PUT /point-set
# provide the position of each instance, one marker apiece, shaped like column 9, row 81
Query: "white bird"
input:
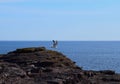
column 55, row 43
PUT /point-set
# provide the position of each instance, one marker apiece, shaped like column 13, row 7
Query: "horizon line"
column 60, row 40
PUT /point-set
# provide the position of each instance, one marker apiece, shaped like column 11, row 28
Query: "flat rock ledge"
column 41, row 66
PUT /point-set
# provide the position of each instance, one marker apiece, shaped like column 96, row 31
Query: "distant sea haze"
column 91, row 55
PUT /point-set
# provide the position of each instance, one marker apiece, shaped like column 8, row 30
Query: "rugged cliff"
column 42, row 66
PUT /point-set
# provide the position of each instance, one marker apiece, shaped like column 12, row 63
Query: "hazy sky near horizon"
column 60, row 20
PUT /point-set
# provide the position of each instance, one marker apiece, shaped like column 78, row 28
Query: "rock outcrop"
column 42, row 66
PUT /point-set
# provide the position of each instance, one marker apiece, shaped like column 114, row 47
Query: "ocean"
column 90, row 55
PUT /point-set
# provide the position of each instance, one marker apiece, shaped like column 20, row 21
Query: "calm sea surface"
column 91, row 55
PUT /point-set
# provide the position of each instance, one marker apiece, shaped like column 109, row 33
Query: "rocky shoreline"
column 41, row 66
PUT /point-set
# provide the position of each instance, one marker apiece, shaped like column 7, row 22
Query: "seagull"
column 55, row 43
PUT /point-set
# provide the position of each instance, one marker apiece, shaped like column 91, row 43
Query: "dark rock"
column 28, row 50
column 109, row 72
column 47, row 70
column 42, row 66
column 53, row 82
column 11, row 70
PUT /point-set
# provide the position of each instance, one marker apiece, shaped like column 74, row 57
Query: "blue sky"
column 42, row 20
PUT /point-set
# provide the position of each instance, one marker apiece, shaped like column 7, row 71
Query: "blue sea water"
column 91, row 55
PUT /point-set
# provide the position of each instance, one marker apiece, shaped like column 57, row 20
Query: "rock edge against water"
column 42, row 66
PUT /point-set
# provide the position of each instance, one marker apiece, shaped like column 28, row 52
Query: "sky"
column 65, row 20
